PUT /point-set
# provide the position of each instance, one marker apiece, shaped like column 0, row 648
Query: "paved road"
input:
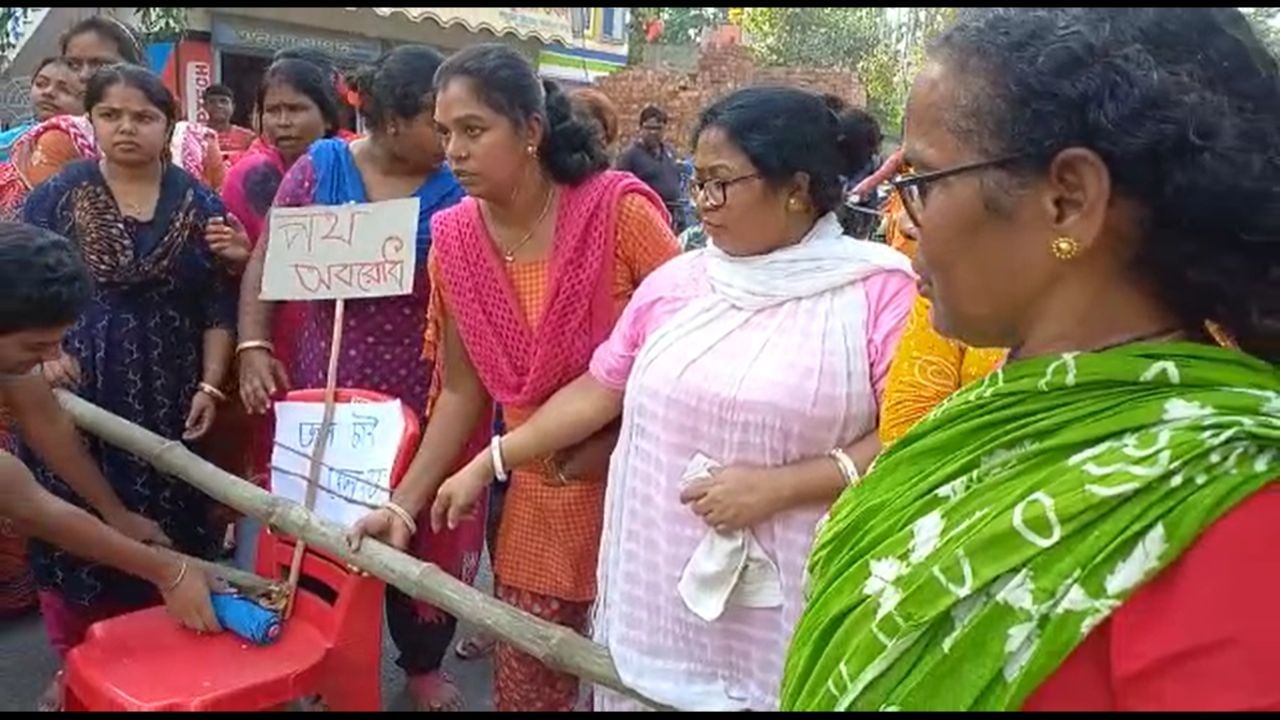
column 27, row 662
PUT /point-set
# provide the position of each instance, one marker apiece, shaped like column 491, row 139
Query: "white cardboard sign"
column 358, row 460
column 327, row 252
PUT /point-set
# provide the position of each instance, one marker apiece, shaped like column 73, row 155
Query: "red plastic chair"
column 331, row 646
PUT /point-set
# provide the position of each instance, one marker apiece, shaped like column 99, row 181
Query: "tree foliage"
column 884, row 46
column 11, row 21
column 1266, row 22
column 681, row 25
column 158, row 23
column 155, row 23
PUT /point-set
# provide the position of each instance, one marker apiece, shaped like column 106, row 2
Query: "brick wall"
column 719, row 71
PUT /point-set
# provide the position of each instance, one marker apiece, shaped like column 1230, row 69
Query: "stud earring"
column 532, row 151
column 1065, row 248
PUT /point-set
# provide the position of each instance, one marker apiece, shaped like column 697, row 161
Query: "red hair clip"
column 346, row 92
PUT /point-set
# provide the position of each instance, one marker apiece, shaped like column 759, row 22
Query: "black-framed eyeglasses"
column 713, row 194
column 913, row 189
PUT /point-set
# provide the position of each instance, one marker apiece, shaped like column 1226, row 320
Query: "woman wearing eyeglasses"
column 746, row 376
column 928, row 367
column 1093, row 526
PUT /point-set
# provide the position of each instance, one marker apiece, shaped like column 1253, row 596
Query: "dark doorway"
column 243, row 74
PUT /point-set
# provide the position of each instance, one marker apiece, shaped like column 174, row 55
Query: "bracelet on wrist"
column 212, row 392
column 848, row 469
column 256, row 345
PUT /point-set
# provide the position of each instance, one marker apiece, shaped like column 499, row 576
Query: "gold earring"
column 533, row 151
column 1221, row 335
column 793, row 205
column 1065, row 248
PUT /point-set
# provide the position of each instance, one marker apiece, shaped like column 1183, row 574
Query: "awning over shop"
column 550, row 25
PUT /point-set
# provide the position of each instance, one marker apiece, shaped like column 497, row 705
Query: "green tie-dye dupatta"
column 987, row 543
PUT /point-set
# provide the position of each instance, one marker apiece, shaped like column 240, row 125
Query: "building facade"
column 234, row 45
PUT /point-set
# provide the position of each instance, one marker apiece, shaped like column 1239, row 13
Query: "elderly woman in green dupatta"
column 1094, row 525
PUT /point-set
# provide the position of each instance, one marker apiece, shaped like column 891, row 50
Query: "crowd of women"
column 1029, row 467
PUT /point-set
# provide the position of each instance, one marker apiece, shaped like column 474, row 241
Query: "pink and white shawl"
column 764, row 363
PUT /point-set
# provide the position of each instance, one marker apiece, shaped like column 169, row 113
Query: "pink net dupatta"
column 522, row 366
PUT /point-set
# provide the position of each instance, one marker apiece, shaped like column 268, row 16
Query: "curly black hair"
column 572, row 149
column 44, row 283
column 1183, row 105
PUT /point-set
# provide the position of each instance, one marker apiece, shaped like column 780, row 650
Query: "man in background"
column 654, row 162
column 233, row 140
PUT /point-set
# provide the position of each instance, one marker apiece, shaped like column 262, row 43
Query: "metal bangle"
column 182, row 574
column 404, row 516
column 848, row 469
column 256, row 345
column 212, row 392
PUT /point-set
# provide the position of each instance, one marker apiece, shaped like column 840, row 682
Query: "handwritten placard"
column 327, row 252
column 358, row 460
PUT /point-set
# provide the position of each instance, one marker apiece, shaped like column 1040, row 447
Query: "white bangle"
column 848, row 469
column 404, row 516
column 495, row 454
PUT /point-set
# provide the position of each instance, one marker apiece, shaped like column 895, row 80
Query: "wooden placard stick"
column 322, row 441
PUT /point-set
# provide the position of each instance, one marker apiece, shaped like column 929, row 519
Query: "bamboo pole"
column 246, row 582
column 553, row 645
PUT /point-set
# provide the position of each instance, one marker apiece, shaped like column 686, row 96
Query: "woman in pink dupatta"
column 527, row 275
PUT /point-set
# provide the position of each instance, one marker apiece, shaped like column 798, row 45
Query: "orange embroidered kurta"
column 927, row 368
column 549, row 534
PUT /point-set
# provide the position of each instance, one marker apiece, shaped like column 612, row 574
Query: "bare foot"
column 435, row 692
column 51, row 699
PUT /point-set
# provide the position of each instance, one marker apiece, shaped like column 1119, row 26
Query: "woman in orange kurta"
column 927, row 367
column 528, row 276
column 539, row 504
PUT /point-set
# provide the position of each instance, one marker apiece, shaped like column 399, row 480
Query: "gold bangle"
column 256, row 345
column 182, row 574
column 212, row 392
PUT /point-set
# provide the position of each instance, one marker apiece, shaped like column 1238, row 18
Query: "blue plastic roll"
column 246, row 618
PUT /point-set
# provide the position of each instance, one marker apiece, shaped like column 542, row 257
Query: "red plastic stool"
column 330, row 647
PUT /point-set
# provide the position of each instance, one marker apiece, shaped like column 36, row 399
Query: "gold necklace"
column 130, row 208
column 509, row 254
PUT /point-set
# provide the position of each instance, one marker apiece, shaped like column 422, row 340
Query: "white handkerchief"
column 726, row 568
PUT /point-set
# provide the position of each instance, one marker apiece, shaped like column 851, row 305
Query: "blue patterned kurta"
column 140, row 346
